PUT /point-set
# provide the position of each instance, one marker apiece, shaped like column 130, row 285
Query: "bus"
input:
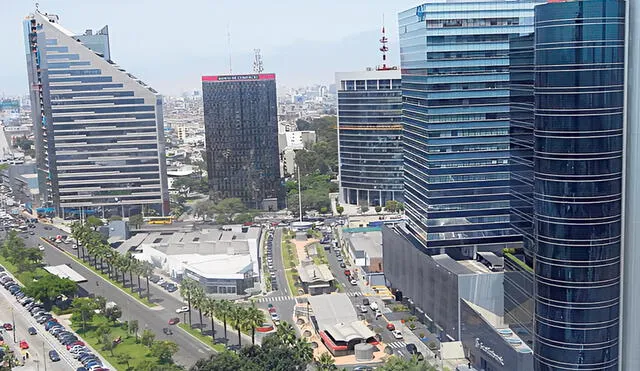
column 160, row 220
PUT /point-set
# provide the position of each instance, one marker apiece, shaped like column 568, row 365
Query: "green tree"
column 115, row 218
column 49, row 287
column 340, row 209
column 243, row 218
column 254, row 318
column 378, row 209
column 286, row 333
column 147, row 338
column 238, row 317
column 123, row 359
column 225, row 209
column 136, row 220
column 223, row 310
column 393, row 206
column 94, row 222
column 326, row 362
column 394, row 363
column 82, row 311
column 113, row 313
column 187, row 289
column 204, row 208
column 146, row 270
column 209, row 311
column 199, row 300
column 164, row 350
column 133, row 328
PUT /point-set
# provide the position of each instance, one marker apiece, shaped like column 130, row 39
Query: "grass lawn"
column 144, row 301
column 321, row 255
column 138, row 352
column 24, row 276
column 204, row 338
column 290, row 260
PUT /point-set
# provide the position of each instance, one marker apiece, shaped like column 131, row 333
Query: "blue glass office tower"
column 369, row 136
column 455, row 76
column 578, row 165
column 98, row 130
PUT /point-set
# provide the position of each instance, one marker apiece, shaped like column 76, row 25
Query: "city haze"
column 171, row 46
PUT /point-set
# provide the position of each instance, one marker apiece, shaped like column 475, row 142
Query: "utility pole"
column 299, row 192
column 44, row 356
column 13, row 316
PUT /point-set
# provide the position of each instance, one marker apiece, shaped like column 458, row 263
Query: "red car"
column 8, row 326
column 390, row 326
column 174, row 321
column 347, row 272
column 272, row 310
column 24, row 345
column 74, row 344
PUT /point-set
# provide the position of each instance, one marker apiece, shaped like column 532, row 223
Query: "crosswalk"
column 397, row 345
column 271, row 299
column 354, row 293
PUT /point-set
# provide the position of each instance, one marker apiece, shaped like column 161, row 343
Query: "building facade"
column 241, row 134
column 369, row 136
column 98, row 129
column 455, row 76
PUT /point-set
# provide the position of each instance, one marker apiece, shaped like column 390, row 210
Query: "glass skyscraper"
column 455, row 76
column 369, row 136
column 98, row 130
column 241, row 133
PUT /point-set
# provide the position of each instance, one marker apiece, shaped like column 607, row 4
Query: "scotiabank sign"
column 261, row 76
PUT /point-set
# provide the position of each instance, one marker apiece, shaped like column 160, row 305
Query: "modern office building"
column 574, row 237
column 241, row 134
column 369, row 136
column 455, row 75
column 98, row 129
column 98, row 42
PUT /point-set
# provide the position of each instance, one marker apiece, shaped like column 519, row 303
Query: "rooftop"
column 315, row 273
column 369, row 241
column 64, row 271
column 336, row 315
column 218, row 266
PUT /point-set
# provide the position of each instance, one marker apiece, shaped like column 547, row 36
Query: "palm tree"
column 124, row 263
column 199, row 299
column 187, row 287
column 286, row 333
column 136, row 267
column 147, row 271
column 238, row 318
column 303, row 350
column 223, row 311
column 112, row 268
column 255, row 318
column 132, row 266
column 209, row 310
column 326, row 362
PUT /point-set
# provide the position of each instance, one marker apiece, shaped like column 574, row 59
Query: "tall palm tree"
column 209, row 311
column 199, row 299
column 136, row 267
column 238, row 316
column 255, row 318
column 223, row 311
column 132, row 266
column 303, row 350
column 112, row 268
column 147, row 271
column 286, row 333
column 123, row 263
column 326, row 362
column 187, row 287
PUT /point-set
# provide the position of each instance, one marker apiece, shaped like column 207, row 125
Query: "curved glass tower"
column 579, row 98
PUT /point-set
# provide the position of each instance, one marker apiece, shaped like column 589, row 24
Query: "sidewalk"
column 410, row 337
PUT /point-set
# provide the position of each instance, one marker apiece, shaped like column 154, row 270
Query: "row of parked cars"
column 169, row 286
column 77, row 348
column 272, row 271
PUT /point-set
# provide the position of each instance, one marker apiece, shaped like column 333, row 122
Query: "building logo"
column 249, row 77
column 490, row 352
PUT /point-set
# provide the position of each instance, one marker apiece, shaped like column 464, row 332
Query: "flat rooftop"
column 64, row 271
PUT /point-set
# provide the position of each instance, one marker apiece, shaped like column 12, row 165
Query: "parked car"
column 53, row 356
column 182, row 309
column 172, row 288
column 7, row 326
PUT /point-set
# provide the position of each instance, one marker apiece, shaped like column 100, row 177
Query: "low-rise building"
column 365, row 247
column 316, row 279
column 223, row 261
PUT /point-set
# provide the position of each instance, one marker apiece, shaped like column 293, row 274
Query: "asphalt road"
column 154, row 319
column 39, row 344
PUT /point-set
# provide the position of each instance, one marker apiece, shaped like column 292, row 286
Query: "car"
column 172, row 288
column 391, row 326
column 161, row 281
column 7, row 326
column 24, row 344
column 77, row 342
column 182, row 309
column 32, row 233
column 378, row 313
column 53, row 356
column 353, row 282
column 343, row 265
column 174, row 321
column 347, row 272
column 411, row 348
column 272, row 309
column 74, row 246
column 340, row 258
column 397, row 334
column 363, row 309
column 154, row 278
column 81, row 369
column 32, row 331
column 275, row 317
column 363, row 368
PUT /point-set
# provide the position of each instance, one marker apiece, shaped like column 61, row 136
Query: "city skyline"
column 286, row 33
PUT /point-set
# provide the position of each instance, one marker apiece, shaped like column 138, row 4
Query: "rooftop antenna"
column 257, row 61
column 229, row 45
column 384, row 49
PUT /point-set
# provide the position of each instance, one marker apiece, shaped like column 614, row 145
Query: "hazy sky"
column 169, row 43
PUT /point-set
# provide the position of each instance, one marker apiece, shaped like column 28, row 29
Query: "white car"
column 182, row 309
column 40, row 247
column 74, row 246
column 275, row 317
column 161, row 281
column 397, row 334
column 354, row 282
column 363, row 309
column 378, row 314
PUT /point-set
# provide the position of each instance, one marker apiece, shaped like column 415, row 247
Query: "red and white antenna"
column 384, row 49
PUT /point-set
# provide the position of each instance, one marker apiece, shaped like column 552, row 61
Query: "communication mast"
column 257, row 61
column 384, row 49
column 229, row 45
